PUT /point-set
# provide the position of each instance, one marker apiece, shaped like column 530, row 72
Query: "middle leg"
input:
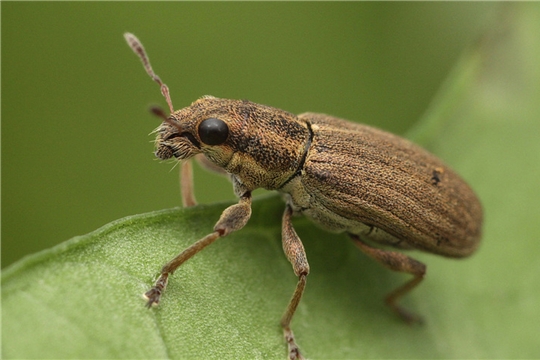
column 294, row 250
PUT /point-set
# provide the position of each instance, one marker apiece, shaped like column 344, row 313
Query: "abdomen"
column 357, row 179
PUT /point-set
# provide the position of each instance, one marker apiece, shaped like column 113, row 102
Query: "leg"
column 186, row 184
column 294, row 250
column 186, row 178
column 233, row 218
column 397, row 262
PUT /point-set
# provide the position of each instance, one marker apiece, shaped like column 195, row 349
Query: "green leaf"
column 82, row 299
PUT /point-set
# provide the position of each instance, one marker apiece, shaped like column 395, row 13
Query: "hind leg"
column 396, row 261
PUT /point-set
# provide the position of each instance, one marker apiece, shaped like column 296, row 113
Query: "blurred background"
column 76, row 153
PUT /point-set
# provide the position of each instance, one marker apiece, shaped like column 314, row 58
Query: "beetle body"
column 346, row 177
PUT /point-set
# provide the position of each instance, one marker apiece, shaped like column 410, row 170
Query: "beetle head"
column 203, row 127
column 261, row 146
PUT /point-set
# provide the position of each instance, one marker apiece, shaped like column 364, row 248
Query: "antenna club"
column 137, row 47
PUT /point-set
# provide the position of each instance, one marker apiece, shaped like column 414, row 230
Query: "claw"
column 153, row 295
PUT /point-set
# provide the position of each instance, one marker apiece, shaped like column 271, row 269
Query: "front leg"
column 187, row 190
column 294, row 250
column 186, row 184
column 233, row 218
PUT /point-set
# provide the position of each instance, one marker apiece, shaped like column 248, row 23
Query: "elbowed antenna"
column 138, row 49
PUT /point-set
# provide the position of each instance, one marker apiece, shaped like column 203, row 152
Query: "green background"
column 75, row 147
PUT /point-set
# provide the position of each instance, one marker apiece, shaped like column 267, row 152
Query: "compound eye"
column 213, row 131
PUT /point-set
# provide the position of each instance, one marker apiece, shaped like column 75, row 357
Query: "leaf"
column 82, row 299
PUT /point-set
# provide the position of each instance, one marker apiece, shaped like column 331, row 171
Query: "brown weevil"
column 346, row 177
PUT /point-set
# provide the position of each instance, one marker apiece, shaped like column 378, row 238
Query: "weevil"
column 346, row 177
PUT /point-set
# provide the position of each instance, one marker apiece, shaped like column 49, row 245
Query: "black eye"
column 213, row 131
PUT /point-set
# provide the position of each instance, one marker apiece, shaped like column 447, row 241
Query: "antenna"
column 138, row 49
